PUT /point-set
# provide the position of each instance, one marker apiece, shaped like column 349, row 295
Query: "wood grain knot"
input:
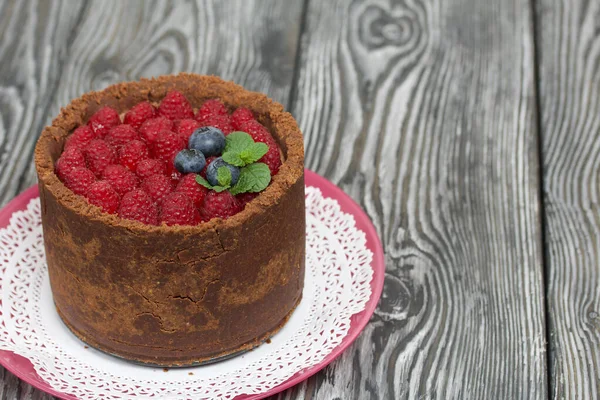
column 400, row 298
column 379, row 28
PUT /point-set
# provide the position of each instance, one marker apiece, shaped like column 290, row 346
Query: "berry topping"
column 99, row 155
column 121, row 134
column 103, row 195
column 157, row 186
column 148, row 167
column 188, row 186
column 138, row 206
column 69, row 159
column 219, row 205
column 178, row 209
column 245, row 198
column 219, row 121
column 209, row 140
column 132, row 153
column 175, row 106
column 185, row 127
column 260, row 134
column 212, row 107
column 139, row 114
column 79, row 180
column 80, row 138
column 218, row 168
column 103, row 120
column 174, row 175
column 272, row 159
column 166, row 145
column 240, row 116
column 120, row 178
column 152, row 127
column 189, row 161
column 208, row 161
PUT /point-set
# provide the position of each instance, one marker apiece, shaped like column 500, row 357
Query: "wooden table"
column 468, row 130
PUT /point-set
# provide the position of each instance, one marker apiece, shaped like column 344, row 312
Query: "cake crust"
column 175, row 295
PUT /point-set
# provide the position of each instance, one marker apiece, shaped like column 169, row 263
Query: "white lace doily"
column 336, row 287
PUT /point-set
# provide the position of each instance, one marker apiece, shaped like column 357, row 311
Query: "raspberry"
column 272, row 158
column 195, row 192
column 208, row 161
column 185, row 128
column 132, row 153
column 223, row 122
column 120, row 178
column 260, row 134
column 139, row 113
column 178, row 209
column 69, row 159
column 79, row 179
column 245, row 198
column 138, row 206
column 103, row 195
column 175, row 177
column 211, row 107
column 148, row 167
column 220, row 205
column 121, row 134
column 104, row 119
column 175, row 106
column 157, row 186
column 240, row 116
column 166, row 145
column 151, row 127
column 255, row 129
column 80, row 138
column 98, row 155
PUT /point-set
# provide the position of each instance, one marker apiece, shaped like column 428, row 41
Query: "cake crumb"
column 268, row 341
column 86, row 347
column 165, row 369
column 190, row 373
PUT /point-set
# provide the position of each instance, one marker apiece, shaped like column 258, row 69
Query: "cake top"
column 166, row 162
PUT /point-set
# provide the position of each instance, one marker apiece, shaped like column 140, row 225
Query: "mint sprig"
column 217, row 188
column 253, row 178
column 241, row 150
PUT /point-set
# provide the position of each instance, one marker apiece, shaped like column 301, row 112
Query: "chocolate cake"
column 175, row 295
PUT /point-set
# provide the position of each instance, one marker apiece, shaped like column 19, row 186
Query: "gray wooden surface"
column 467, row 130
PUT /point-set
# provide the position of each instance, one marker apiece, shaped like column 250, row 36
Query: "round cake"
column 152, row 275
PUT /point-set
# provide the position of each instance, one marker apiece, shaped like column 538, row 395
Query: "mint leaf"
column 233, row 158
column 254, row 153
column 201, row 181
column 224, row 176
column 253, row 178
column 219, row 189
column 236, row 142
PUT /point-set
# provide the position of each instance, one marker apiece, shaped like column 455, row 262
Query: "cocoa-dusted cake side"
column 175, row 295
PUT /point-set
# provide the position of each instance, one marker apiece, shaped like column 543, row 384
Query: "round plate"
column 24, row 370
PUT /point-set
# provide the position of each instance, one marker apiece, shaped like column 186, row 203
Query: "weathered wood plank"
column 424, row 111
column 569, row 83
column 54, row 51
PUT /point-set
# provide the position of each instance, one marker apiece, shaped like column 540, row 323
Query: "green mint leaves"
column 241, row 150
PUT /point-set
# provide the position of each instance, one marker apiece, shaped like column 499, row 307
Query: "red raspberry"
column 175, row 106
column 240, row 116
column 178, row 209
column 175, row 176
column 69, row 159
column 185, row 128
column 166, row 145
column 211, row 107
column 208, row 161
column 104, row 119
column 245, row 198
column 255, row 129
column 139, row 113
column 103, row 195
column 148, row 167
column 120, row 178
column 150, row 128
column 272, row 158
column 220, row 205
column 138, row 206
column 80, row 138
column 121, row 134
column 157, row 186
column 79, row 180
column 194, row 191
column 260, row 134
column 132, row 153
column 99, row 155
column 223, row 122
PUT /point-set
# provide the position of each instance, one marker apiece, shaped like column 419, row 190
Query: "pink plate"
column 23, row 368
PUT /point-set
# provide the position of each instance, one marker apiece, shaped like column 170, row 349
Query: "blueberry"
column 209, row 140
column 190, row 161
column 213, row 167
